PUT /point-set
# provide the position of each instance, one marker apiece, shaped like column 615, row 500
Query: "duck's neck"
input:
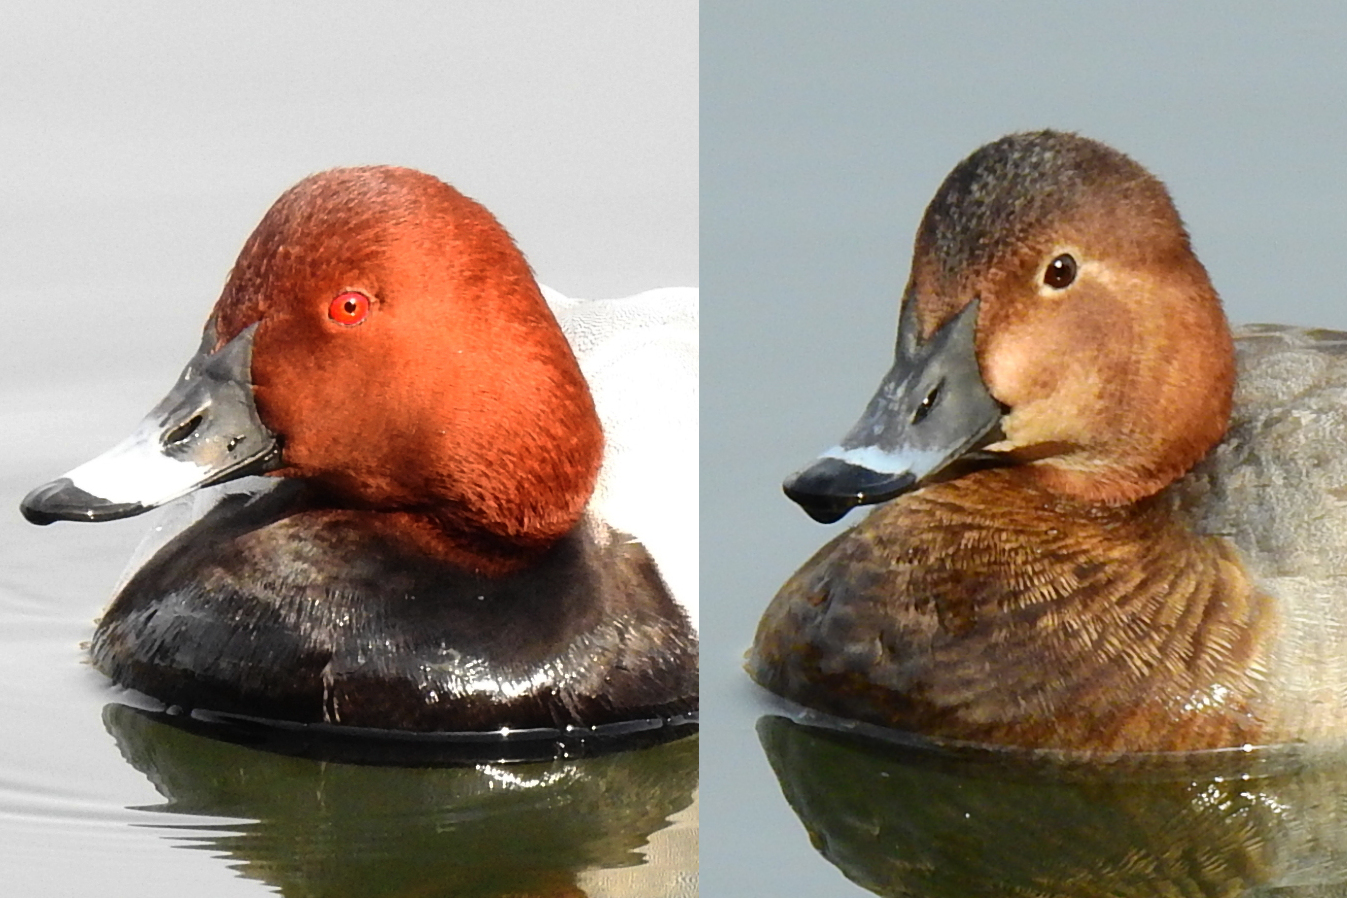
column 1119, row 621
column 471, row 542
column 475, row 550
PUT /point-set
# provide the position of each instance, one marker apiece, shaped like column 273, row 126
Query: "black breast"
column 274, row 608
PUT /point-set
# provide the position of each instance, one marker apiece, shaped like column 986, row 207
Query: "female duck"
column 431, row 560
column 1079, row 546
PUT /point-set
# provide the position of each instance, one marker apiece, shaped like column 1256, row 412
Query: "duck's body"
column 435, row 558
column 1065, row 577
column 275, row 606
column 639, row 355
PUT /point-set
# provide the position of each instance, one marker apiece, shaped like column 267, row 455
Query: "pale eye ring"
column 1061, row 272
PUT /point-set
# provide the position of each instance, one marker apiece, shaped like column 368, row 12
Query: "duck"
column 1101, row 521
column 444, row 538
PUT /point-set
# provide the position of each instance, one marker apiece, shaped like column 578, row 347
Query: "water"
column 95, row 791
column 904, row 821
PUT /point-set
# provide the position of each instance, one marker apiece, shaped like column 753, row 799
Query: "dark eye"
column 1061, row 272
column 349, row 309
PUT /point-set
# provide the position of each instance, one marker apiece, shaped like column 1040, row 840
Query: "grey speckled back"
column 1276, row 487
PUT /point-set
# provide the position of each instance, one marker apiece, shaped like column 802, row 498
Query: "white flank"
column 640, row 357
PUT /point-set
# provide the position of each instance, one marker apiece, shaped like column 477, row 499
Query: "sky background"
column 143, row 142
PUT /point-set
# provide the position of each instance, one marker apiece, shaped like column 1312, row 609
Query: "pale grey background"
column 141, row 142
column 826, row 129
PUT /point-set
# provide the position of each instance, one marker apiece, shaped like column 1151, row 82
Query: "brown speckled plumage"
column 990, row 611
column 1010, row 188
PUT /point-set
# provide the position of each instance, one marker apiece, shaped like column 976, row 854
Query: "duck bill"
column 205, row 431
column 931, row 409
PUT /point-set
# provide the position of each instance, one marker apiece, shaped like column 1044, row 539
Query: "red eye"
column 349, row 309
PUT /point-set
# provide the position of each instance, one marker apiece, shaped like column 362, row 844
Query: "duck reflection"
column 907, row 821
column 575, row 827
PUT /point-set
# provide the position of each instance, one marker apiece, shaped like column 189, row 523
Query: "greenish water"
column 902, row 820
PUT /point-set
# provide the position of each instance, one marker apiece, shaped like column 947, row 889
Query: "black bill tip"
column 61, row 500
column 831, row 487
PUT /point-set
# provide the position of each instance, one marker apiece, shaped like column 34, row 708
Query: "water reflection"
column 907, row 821
column 563, row 828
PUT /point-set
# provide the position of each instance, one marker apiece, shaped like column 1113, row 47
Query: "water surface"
column 96, row 791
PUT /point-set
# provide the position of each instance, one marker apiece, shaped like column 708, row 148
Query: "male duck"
column 1080, row 545
column 432, row 559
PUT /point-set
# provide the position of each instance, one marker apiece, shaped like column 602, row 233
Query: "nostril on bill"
column 182, row 431
column 927, row 404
